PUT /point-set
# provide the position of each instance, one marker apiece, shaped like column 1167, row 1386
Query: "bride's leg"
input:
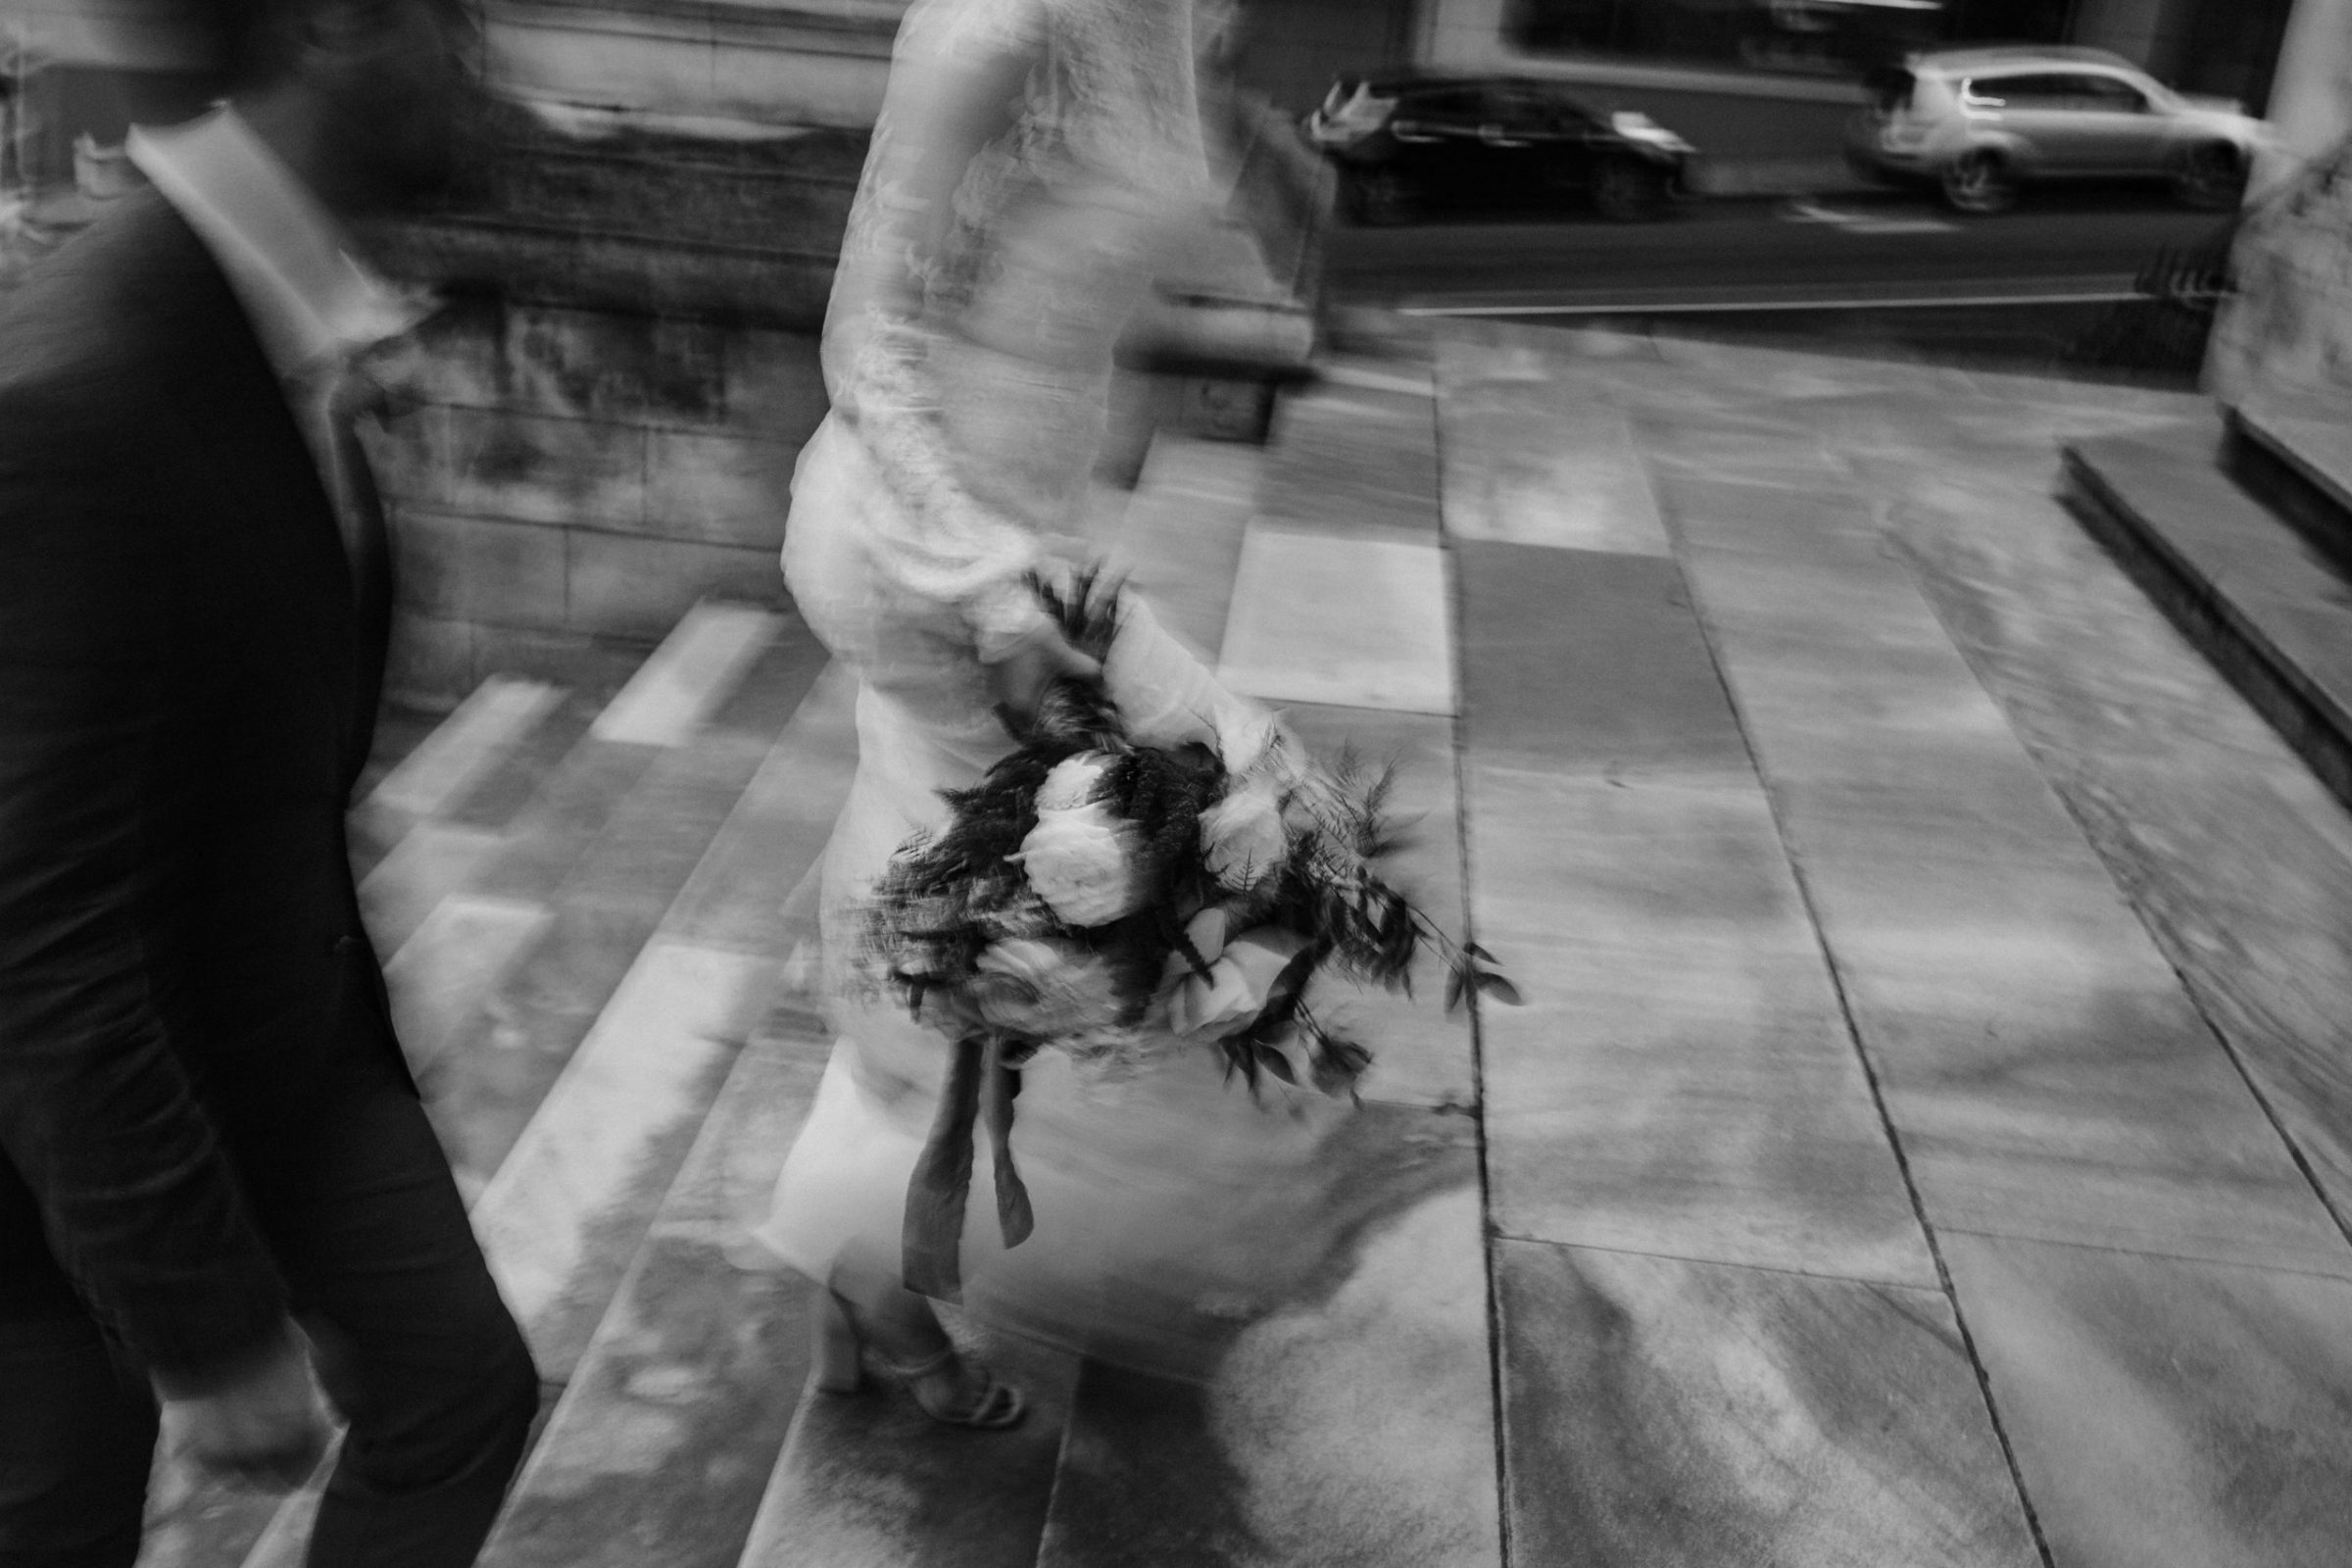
column 909, row 1343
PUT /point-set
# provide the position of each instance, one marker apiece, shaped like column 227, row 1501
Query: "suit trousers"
column 412, row 1340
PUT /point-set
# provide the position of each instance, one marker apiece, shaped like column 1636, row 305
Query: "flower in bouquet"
column 1079, row 896
column 1077, row 780
column 1243, row 837
column 1240, row 978
column 1086, row 862
column 1035, row 989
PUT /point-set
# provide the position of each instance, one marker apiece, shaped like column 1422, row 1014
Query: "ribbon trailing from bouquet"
column 980, row 1087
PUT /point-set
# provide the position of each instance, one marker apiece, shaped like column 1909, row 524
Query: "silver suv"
column 1980, row 121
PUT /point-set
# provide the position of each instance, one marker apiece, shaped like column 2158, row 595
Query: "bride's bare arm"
column 955, row 88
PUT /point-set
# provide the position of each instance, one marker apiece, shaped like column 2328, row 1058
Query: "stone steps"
column 2242, row 542
column 599, row 915
column 2296, row 456
column 568, row 1033
column 681, row 1436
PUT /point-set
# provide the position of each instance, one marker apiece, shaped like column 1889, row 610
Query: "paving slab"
column 1589, row 661
column 1539, row 462
column 1665, row 1412
column 1335, row 618
column 1349, row 458
column 2235, row 857
column 1352, row 1424
column 2047, row 1073
column 2166, row 1412
column 1178, row 538
column 1681, row 1079
column 1747, row 448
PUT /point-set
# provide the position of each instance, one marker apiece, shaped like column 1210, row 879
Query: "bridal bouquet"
column 1110, row 899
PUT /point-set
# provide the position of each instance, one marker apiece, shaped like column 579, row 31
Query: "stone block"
column 693, row 193
column 773, row 385
column 539, row 468
column 407, row 454
column 453, row 357
column 431, row 664
column 624, row 585
column 607, row 364
column 1224, row 408
column 717, row 487
column 478, row 569
column 614, row 272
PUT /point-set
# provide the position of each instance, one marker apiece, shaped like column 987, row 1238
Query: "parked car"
column 1980, row 123
column 1406, row 142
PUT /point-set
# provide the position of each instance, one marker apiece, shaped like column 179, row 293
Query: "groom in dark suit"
column 219, row 1191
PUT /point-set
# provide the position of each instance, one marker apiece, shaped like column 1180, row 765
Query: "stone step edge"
column 2230, row 631
column 612, row 1332
column 2271, row 464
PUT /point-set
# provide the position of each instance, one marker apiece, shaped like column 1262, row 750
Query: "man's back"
column 177, row 722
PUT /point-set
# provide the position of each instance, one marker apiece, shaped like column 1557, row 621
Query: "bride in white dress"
column 1030, row 160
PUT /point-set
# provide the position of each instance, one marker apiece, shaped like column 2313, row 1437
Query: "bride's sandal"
column 979, row 1400
column 837, row 1365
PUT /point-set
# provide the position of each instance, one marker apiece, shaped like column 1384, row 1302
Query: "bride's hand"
column 1020, row 679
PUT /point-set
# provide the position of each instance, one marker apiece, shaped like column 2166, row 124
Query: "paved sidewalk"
column 1928, row 1140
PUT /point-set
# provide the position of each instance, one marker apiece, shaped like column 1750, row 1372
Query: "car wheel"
column 1377, row 195
column 1626, row 189
column 1979, row 182
column 2210, row 177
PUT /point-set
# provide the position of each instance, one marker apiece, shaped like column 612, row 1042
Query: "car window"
column 1889, row 88
column 1531, row 111
column 2040, row 91
column 2112, row 93
column 1454, row 106
column 2054, row 89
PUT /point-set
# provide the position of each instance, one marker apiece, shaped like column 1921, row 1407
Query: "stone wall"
column 600, row 426
column 2288, row 329
column 566, row 477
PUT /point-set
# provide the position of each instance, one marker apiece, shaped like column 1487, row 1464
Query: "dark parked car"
column 1402, row 143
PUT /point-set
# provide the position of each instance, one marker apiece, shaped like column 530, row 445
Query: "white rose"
column 1237, row 987
column 1083, row 863
column 1243, row 836
column 1074, row 781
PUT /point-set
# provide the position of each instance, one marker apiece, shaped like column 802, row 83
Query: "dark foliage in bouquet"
column 1088, row 880
column 950, row 898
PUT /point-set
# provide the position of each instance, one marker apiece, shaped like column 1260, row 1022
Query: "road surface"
column 1738, row 254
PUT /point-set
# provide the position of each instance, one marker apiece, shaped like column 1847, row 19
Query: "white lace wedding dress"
column 990, row 262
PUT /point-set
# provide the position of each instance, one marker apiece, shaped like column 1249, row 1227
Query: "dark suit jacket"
column 185, row 700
